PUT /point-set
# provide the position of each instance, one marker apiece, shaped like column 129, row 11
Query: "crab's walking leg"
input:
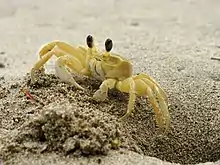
column 61, row 69
column 153, row 101
column 132, row 98
column 153, row 83
column 58, row 49
column 39, row 64
column 101, row 93
column 164, row 107
column 160, row 106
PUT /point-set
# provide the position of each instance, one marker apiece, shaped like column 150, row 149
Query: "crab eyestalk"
column 108, row 48
column 108, row 45
column 90, row 41
column 92, row 50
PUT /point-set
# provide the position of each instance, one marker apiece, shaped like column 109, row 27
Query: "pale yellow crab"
column 113, row 70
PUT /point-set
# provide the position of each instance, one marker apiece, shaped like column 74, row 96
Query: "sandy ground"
column 172, row 41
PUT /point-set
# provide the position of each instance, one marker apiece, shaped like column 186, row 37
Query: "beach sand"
column 172, row 41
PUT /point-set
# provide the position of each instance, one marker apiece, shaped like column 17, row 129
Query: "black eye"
column 108, row 45
column 89, row 41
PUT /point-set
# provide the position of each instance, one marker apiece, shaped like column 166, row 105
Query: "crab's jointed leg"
column 67, row 55
column 132, row 98
column 141, row 85
column 158, row 99
column 153, row 84
column 40, row 64
column 102, row 92
column 62, row 61
column 63, row 48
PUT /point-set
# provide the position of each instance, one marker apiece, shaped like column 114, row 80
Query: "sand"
column 172, row 41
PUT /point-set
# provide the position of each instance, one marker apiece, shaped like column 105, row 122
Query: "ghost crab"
column 113, row 70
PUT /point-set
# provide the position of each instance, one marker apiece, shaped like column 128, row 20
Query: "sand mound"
column 68, row 129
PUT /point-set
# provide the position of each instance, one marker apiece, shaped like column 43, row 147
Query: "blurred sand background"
column 170, row 40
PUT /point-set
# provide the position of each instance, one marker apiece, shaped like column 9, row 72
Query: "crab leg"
column 72, row 61
column 44, row 57
column 39, row 64
column 132, row 98
column 63, row 47
column 137, row 85
column 58, row 49
column 152, row 83
column 101, row 93
column 161, row 120
column 160, row 106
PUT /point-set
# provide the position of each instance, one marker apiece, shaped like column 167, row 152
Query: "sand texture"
column 172, row 41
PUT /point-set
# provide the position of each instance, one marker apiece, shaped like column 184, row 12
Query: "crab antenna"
column 89, row 41
column 108, row 45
